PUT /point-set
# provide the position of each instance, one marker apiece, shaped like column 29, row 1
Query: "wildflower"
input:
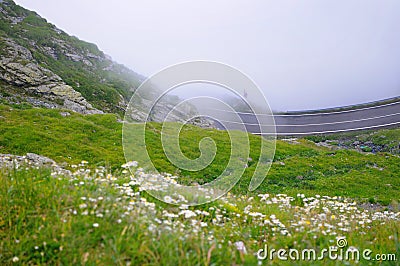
column 95, row 225
column 167, row 199
column 15, row 259
column 184, row 207
column 241, row 247
column 130, row 164
column 263, row 197
column 247, row 209
column 255, row 214
column 188, row 213
column 169, row 215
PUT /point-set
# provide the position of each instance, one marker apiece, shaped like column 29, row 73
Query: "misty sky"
column 303, row 54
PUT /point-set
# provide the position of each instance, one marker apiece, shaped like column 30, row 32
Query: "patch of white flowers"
column 273, row 215
column 319, row 214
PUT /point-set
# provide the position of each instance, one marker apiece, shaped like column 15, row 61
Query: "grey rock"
column 17, row 67
column 40, row 159
column 10, row 161
column 65, row 114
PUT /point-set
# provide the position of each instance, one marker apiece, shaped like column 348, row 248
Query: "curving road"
column 380, row 115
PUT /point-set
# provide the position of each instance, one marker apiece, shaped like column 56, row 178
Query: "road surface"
column 354, row 118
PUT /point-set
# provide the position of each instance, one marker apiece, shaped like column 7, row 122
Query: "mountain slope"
column 299, row 166
column 47, row 67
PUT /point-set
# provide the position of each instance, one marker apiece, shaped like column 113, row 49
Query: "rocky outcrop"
column 56, row 69
column 31, row 160
column 169, row 109
column 13, row 19
column 18, row 68
column 43, row 66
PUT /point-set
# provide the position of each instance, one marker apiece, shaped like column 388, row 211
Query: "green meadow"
column 311, row 197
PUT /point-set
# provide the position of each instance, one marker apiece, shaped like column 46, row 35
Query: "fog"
column 302, row 54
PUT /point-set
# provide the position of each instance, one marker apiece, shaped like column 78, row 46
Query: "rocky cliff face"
column 43, row 66
column 39, row 86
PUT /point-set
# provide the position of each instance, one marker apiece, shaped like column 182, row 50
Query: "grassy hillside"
column 65, row 139
column 104, row 220
column 100, row 216
column 80, row 64
column 299, row 167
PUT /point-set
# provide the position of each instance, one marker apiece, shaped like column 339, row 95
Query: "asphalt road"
column 310, row 123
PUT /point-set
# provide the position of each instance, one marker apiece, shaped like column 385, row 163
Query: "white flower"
column 169, row 215
column 95, row 225
column 15, row 259
column 130, row 164
column 247, row 209
column 255, row 214
column 188, row 213
column 241, row 247
column 263, row 197
column 167, row 199
column 184, row 207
